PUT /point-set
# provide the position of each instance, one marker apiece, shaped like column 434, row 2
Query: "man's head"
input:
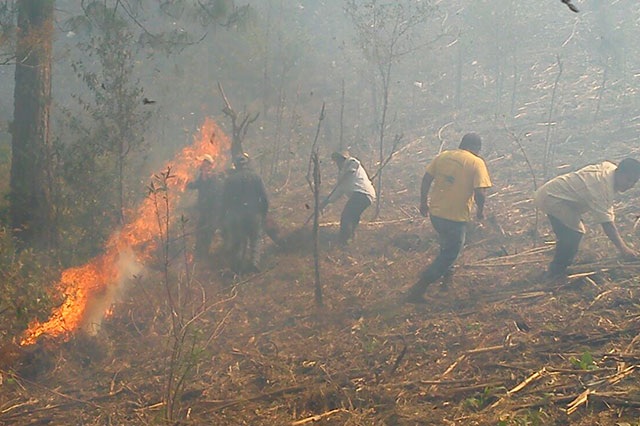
column 207, row 163
column 340, row 157
column 626, row 175
column 241, row 161
column 471, row 142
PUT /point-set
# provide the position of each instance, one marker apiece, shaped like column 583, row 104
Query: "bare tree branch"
column 239, row 132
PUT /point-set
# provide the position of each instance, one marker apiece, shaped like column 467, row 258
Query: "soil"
column 499, row 344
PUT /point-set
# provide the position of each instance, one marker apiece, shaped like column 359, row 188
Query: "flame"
column 109, row 312
column 82, row 284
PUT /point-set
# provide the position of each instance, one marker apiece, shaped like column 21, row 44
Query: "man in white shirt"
column 355, row 183
column 591, row 189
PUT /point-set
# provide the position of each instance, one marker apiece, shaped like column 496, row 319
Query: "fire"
column 82, row 284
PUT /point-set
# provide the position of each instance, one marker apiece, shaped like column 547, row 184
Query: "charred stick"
column 399, row 359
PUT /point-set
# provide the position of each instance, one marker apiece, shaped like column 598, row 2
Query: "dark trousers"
column 350, row 218
column 242, row 232
column 567, row 243
column 204, row 231
column 451, row 237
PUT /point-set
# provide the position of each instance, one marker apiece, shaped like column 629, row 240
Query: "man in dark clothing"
column 209, row 187
column 244, row 211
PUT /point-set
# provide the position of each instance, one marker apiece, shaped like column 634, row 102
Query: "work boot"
column 447, row 280
column 555, row 273
column 415, row 294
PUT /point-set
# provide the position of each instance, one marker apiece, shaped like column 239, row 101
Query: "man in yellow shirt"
column 451, row 183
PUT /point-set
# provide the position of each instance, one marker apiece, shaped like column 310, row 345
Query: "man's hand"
column 479, row 194
column 424, row 209
column 629, row 253
column 611, row 231
column 323, row 205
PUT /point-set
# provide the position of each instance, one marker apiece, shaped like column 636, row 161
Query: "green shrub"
column 24, row 279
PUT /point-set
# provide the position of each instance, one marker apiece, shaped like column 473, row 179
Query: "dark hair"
column 629, row 167
column 340, row 156
column 471, row 142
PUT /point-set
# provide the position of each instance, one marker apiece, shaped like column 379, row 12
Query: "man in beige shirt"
column 591, row 189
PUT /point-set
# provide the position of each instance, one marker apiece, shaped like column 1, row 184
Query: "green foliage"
column 484, row 398
column 92, row 196
column 86, row 200
column 23, row 281
column 529, row 418
column 585, row 362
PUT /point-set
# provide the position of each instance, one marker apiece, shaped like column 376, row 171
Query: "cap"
column 343, row 155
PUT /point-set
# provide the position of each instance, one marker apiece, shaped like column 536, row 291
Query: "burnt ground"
column 499, row 345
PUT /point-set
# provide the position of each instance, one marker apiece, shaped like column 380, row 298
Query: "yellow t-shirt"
column 456, row 174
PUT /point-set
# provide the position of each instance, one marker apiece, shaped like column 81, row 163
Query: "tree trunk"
column 30, row 197
column 341, row 140
column 459, row 63
column 316, row 227
column 386, row 81
column 514, row 88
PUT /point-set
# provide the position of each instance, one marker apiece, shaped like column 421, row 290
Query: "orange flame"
column 80, row 285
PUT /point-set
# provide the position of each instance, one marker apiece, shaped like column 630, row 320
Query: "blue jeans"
column 451, row 237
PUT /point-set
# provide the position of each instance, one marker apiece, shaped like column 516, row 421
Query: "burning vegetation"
column 100, row 278
column 300, row 271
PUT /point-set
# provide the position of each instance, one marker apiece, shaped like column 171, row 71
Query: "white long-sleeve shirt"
column 353, row 178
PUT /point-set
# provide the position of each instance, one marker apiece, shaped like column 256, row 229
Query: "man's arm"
column 479, row 194
column 195, row 184
column 427, row 180
column 335, row 193
column 347, row 171
column 611, row 231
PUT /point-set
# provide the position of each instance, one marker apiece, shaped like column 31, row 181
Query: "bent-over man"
column 244, row 210
column 355, row 183
column 591, row 189
column 453, row 180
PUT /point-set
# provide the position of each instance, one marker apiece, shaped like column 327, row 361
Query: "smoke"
column 100, row 307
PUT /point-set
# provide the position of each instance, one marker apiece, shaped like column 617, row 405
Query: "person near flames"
column 209, row 186
column 591, row 189
column 355, row 183
column 244, row 211
column 451, row 183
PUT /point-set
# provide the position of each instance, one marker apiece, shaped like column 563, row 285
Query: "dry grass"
column 365, row 357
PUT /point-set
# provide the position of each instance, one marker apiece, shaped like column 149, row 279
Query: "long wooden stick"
column 318, row 417
column 313, row 180
column 535, row 376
